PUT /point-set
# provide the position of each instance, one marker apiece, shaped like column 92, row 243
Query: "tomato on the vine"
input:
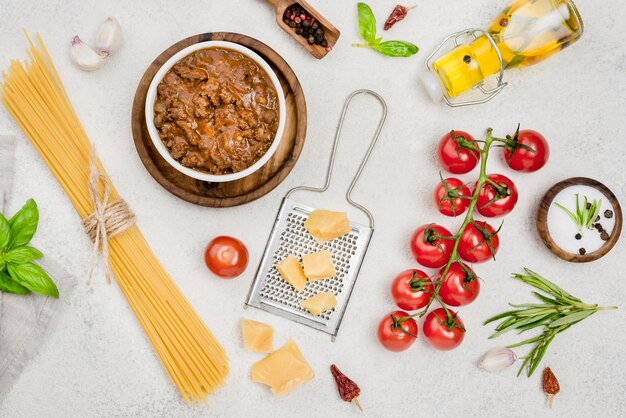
column 412, row 289
column 457, row 152
column 432, row 245
column 527, row 151
column 226, row 256
column 396, row 336
column 479, row 242
column 452, row 196
column 460, row 286
column 496, row 200
column 443, row 332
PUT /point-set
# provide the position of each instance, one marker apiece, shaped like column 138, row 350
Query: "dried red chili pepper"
column 550, row 385
column 397, row 14
column 348, row 390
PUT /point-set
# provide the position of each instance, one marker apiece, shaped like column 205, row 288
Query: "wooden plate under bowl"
column 542, row 219
column 250, row 187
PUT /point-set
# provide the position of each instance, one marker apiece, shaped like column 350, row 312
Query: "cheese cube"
column 257, row 336
column 319, row 303
column 326, row 225
column 283, row 370
column 318, row 265
column 291, row 271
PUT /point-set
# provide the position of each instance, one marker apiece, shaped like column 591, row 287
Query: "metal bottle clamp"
column 488, row 93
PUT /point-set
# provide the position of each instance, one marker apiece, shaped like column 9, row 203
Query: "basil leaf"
column 5, row 232
column 8, row 285
column 367, row 23
column 396, row 48
column 22, row 255
column 34, row 278
column 24, row 224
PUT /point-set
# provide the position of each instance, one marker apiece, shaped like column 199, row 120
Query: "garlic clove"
column 497, row 359
column 85, row 57
column 109, row 37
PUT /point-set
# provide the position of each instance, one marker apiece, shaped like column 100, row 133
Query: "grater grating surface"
column 289, row 237
column 271, row 293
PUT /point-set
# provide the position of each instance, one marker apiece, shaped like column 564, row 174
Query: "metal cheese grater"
column 271, row 293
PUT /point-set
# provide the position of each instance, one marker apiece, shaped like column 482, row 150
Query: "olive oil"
column 526, row 32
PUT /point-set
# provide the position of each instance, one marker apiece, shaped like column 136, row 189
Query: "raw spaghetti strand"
column 34, row 95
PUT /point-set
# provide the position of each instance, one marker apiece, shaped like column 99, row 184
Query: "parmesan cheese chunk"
column 257, row 336
column 290, row 270
column 318, row 265
column 283, row 370
column 326, row 225
column 319, row 303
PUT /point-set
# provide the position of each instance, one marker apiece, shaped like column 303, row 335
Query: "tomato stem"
column 469, row 217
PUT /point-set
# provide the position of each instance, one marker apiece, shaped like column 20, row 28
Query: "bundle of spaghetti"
column 34, row 95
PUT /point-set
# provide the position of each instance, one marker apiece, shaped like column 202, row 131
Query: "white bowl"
column 154, row 134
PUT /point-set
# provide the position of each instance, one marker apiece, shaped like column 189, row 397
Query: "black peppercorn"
column 599, row 227
column 324, row 43
column 578, row 236
column 292, row 24
column 597, row 218
column 588, row 206
column 299, row 31
column 467, row 59
column 311, row 40
column 306, row 23
column 315, row 25
column 582, row 251
column 608, row 213
column 604, row 236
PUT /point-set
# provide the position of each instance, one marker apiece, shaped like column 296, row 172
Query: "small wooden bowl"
column 542, row 220
column 330, row 31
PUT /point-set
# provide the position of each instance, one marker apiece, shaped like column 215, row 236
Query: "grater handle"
column 331, row 163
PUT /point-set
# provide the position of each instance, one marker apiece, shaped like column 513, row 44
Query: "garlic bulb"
column 109, row 37
column 85, row 57
column 497, row 359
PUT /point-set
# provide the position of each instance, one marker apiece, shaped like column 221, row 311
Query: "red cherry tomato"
column 479, row 242
column 496, row 201
column 430, row 247
column 394, row 336
column 452, row 196
column 443, row 332
column 454, row 152
column 460, row 285
column 529, row 151
column 226, row 256
column 411, row 290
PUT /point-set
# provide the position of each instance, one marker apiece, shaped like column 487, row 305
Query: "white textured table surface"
column 98, row 362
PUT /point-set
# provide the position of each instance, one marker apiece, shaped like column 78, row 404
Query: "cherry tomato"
column 443, row 332
column 454, row 152
column 496, row 201
column 430, row 247
column 411, row 290
column 394, row 336
column 460, row 285
column 479, row 242
column 226, row 256
column 528, row 151
column 452, row 196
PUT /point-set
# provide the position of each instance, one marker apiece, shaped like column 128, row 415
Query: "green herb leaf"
column 396, row 48
column 572, row 318
column 367, row 23
column 34, row 278
column 8, row 285
column 5, row 232
column 24, row 224
column 22, row 255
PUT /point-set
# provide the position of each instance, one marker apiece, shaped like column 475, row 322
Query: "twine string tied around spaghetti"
column 107, row 219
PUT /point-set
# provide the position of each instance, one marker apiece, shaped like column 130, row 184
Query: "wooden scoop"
column 330, row 32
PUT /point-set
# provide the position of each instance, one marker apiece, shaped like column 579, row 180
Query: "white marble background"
column 98, row 362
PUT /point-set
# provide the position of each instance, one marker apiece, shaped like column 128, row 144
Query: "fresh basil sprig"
column 18, row 273
column 367, row 30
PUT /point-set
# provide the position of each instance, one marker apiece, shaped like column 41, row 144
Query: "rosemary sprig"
column 556, row 313
column 584, row 216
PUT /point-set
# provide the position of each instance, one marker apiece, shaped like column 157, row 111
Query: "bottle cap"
column 432, row 85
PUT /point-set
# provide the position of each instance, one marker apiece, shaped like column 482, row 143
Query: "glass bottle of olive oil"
column 525, row 32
